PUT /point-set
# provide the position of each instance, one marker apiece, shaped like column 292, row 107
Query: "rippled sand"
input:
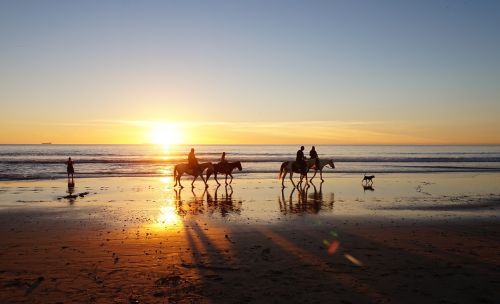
column 408, row 238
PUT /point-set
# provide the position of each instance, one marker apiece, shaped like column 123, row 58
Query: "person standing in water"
column 70, row 170
column 314, row 155
column 193, row 162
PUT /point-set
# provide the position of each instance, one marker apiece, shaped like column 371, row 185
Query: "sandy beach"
column 412, row 238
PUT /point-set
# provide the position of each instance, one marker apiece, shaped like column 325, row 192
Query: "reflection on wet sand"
column 225, row 204
column 206, row 203
column 71, row 190
column 368, row 187
column 307, row 201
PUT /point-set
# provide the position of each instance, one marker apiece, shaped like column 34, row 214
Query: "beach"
column 411, row 238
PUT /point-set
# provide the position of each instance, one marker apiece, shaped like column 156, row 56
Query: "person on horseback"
column 193, row 162
column 314, row 155
column 223, row 158
column 300, row 160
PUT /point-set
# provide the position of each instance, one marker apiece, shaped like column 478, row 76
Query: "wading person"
column 70, row 170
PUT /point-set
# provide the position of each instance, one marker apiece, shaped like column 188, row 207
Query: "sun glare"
column 165, row 134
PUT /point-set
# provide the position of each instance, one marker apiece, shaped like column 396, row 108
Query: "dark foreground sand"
column 138, row 241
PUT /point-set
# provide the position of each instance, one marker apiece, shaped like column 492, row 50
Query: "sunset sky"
column 249, row 72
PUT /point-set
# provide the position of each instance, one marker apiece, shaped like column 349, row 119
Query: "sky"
column 250, row 72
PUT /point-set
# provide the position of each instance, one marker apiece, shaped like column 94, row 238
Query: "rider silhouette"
column 314, row 155
column 223, row 158
column 193, row 162
column 300, row 160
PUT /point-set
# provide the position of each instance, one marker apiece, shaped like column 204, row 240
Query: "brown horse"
column 180, row 169
column 225, row 168
column 292, row 167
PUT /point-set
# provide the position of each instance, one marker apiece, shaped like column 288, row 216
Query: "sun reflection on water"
column 167, row 216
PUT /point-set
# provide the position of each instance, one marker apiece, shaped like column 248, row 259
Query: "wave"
column 259, row 160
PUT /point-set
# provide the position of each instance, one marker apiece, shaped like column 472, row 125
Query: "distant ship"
column 47, row 143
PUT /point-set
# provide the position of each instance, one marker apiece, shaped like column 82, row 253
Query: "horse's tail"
column 283, row 165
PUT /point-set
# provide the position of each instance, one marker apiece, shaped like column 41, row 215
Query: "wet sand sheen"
column 138, row 240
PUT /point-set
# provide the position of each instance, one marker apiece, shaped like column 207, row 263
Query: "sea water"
column 19, row 162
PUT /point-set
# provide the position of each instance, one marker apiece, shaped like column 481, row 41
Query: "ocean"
column 19, row 162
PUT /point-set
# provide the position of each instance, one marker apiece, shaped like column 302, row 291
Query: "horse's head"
column 238, row 165
column 331, row 164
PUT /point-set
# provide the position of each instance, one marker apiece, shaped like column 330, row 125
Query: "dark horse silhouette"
column 224, row 168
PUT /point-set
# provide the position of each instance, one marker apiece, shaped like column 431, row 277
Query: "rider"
column 193, row 162
column 300, row 160
column 223, row 158
column 314, row 155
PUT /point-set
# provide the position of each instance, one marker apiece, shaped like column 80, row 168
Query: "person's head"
column 69, row 158
column 301, row 147
column 313, row 148
column 192, row 150
column 223, row 153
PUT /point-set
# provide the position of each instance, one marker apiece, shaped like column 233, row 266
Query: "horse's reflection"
column 224, row 204
column 306, row 202
column 196, row 205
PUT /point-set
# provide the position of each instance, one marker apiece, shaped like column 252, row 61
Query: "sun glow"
column 165, row 134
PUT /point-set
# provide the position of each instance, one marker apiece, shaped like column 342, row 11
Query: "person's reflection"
column 71, row 197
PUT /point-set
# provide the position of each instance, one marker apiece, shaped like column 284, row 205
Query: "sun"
column 165, row 134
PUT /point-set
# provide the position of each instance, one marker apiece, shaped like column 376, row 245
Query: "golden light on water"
column 167, row 216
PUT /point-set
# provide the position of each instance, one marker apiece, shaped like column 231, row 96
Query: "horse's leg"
column 204, row 181
column 291, row 175
column 215, row 177
column 315, row 171
column 321, row 175
column 231, row 177
column 225, row 180
column 194, row 179
column 283, row 180
column 179, row 179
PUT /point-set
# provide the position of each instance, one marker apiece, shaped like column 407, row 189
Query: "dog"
column 368, row 178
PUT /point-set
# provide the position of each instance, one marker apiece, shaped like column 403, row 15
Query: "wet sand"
column 414, row 238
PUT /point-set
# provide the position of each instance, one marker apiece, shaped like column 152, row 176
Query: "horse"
column 180, row 169
column 225, row 168
column 292, row 167
column 322, row 163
